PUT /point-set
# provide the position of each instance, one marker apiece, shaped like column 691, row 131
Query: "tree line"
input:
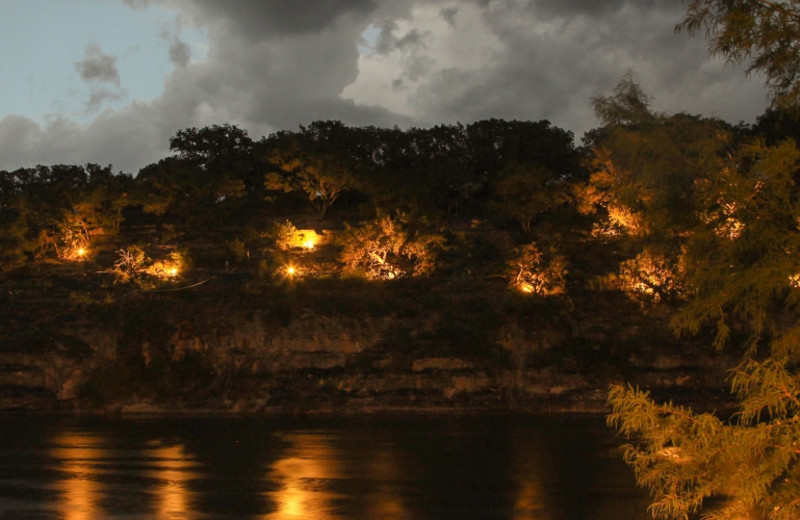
column 217, row 177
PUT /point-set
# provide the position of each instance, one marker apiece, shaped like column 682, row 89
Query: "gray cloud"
column 261, row 19
column 549, row 57
column 98, row 66
column 179, row 53
column 99, row 95
column 275, row 64
column 387, row 41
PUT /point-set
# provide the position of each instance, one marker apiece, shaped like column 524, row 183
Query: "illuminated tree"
column 130, row 264
column 740, row 260
column 283, row 233
column 531, row 273
column 646, row 166
column 651, row 278
column 385, row 249
column 133, row 265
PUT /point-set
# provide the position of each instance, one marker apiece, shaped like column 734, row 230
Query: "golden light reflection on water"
column 530, row 500
column 301, row 476
column 87, row 461
column 79, row 455
column 173, row 472
column 311, row 467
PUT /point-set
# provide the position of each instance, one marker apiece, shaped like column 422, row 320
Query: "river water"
column 316, row 468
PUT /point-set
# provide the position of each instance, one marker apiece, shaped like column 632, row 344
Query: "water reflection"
column 79, row 456
column 321, row 469
column 325, row 477
column 302, row 476
column 99, row 477
column 529, row 504
column 173, row 473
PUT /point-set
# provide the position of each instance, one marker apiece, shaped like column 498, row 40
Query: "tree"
column 530, row 273
column 739, row 250
column 199, row 184
column 320, row 175
column 762, row 33
column 99, row 208
column 524, row 192
column 387, row 249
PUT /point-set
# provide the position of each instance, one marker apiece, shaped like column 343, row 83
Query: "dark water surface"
column 319, row 468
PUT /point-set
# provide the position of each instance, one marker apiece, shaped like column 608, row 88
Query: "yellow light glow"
column 302, row 475
column 173, row 271
column 174, row 470
column 81, row 251
column 290, row 270
column 79, row 458
column 308, row 244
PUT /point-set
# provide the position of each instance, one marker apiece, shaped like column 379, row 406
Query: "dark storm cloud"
column 264, row 18
column 98, row 66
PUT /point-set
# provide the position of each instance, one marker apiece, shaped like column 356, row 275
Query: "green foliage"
column 686, row 458
column 320, row 174
column 716, row 218
column 761, row 33
column 524, row 192
column 742, row 273
column 646, row 176
column 282, row 233
column 628, row 106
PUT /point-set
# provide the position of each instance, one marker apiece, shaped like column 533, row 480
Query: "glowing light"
column 173, row 271
column 302, row 475
column 80, row 252
column 80, row 457
column 174, row 468
column 290, row 271
column 308, row 244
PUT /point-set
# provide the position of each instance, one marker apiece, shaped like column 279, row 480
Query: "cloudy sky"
column 109, row 81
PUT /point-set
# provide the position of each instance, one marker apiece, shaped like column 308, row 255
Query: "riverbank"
column 74, row 342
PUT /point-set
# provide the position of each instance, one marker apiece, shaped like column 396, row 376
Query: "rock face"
column 323, row 363
column 240, row 343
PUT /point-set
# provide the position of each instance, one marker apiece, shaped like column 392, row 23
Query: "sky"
column 110, row 81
